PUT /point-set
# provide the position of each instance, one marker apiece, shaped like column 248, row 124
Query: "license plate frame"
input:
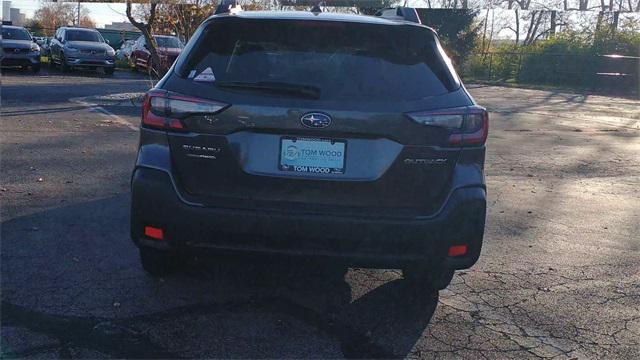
column 303, row 162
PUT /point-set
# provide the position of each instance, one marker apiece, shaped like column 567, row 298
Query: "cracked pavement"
column 559, row 274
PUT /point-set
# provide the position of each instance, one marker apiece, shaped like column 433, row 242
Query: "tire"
column 63, row 64
column 109, row 71
column 158, row 263
column 35, row 69
column 428, row 279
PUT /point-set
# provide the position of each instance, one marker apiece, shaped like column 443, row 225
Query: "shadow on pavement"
column 72, row 274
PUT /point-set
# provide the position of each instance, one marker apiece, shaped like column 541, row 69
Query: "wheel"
column 51, row 62
column 429, row 279
column 109, row 71
column 158, row 262
column 63, row 64
column 35, row 68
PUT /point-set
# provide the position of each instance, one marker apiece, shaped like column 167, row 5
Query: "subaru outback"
column 345, row 137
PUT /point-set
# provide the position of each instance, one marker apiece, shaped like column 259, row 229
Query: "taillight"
column 468, row 126
column 166, row 110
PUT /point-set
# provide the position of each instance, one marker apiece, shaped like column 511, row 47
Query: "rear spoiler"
column 400, row 13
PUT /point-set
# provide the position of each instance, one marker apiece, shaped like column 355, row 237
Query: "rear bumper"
column 366, row 241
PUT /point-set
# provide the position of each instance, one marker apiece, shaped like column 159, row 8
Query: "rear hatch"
column 312, row 116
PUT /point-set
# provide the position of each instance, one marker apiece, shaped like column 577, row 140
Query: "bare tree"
column 516, row 29
column 54, row 15
column 187, row 16
column 583, row 5
column 146, row 30
column 533, row 30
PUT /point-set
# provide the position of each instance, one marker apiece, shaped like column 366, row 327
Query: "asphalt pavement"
column 559, row 275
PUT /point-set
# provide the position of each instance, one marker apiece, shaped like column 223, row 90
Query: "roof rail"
column 228, row 7
column 400, row 13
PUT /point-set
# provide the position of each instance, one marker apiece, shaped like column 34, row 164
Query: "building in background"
column 12, row 15
column 17, row 18
column 6, row 10
column 122, row 25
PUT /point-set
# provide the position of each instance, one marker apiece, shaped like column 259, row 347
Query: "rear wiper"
column 274, row 87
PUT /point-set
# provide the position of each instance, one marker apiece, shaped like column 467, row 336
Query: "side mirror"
column 107, row 41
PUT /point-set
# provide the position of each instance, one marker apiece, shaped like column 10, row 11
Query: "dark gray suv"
column 19, row 48
column 81, row 48
column 312, row 134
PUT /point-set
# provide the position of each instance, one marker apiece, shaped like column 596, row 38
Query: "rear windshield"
column 15, row 34
column 168, row 42
column 80, row 35
column 366, row 62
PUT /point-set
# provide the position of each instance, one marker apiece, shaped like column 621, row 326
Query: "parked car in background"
column 44, row 47
column 169, row 47
column 81, row 48
column 125, row 50
column 19, row 48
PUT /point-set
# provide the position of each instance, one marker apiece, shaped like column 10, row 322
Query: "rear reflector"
column 154, row 233
column 457, row 250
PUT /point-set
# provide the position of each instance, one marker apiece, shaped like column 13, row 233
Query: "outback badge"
column 315, row 120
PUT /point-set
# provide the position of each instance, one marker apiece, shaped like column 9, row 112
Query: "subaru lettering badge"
column 315, row 120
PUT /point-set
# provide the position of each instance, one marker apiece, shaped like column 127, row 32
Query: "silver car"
column 81, row 48
column 19, row 48
column 125, row 50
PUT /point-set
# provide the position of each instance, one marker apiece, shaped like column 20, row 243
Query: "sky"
column 101, row 13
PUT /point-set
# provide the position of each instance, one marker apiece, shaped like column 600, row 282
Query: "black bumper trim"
column 356, row 239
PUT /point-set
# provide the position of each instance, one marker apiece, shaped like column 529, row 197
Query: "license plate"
column 310, row 155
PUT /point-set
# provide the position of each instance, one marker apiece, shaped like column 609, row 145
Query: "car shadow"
column 68, row 271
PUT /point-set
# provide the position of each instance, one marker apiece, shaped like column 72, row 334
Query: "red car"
column 169, row 47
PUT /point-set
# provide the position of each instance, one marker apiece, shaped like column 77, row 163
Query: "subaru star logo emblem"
column 315, row 120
